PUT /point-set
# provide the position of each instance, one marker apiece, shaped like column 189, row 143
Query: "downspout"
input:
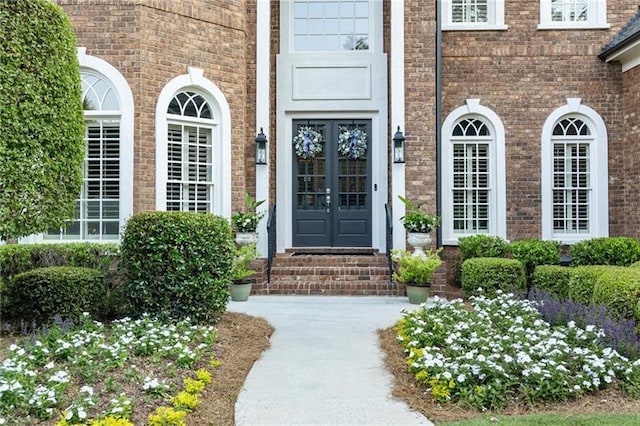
column 438, row 120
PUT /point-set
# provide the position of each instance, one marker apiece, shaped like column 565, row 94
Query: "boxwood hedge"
column 486, row 275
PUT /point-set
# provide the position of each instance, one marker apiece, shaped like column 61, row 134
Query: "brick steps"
column 343, row 271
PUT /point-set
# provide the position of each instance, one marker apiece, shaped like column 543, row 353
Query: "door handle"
column 327, row 199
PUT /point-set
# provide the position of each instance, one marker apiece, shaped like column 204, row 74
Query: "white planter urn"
column 246, row 238
column 419, row 240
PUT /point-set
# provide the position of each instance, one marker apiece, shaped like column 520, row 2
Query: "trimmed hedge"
column 534, row 252
column 482, row 246
column 43, row 293
column 583, row 281
column 619, row 251
column 178, row 264
column 554, row 279
column 19, row 258
column 41, row 118
column 619, row 289
column 491, row 274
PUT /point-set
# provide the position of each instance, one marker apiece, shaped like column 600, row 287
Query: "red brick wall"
column 153, row 41
column 523, row 74
column 632, row 151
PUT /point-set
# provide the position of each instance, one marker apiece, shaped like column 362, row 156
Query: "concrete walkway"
column 324, row 366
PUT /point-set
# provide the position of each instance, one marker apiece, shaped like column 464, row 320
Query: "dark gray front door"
column 331, row 191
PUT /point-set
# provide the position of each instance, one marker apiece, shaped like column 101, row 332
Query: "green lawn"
column 554, row 420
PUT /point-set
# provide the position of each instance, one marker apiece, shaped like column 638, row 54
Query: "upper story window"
column 336, row 25
column 571, row 14
column 574, row 174
column 473, row 15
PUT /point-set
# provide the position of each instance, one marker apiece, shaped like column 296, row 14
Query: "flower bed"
column 95, row 372
column 502, row 352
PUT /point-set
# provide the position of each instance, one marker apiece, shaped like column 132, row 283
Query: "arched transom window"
column 572, row 139
column 471, row 189
column 189, row 154
column 98, row 208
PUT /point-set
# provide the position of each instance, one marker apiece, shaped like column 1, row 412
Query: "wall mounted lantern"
column 398, row 147
column 261, row 148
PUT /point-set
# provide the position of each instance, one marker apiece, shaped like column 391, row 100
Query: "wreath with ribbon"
column 308, row 143
column 352, row 143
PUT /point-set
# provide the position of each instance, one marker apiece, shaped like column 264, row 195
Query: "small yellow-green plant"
column 185, row 401
column 204, row 376
column 111, row 421
column 166, row 416
column 214, row 363
column 192, row 386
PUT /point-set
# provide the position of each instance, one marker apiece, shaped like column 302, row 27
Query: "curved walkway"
column 324, row 366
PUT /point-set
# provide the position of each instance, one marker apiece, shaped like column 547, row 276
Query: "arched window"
column 193, row 152
column 473, row 179
column 189, row 154
column 574, row 170
column 106, row 199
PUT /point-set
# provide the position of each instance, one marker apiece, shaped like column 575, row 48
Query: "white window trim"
column 126, row 116
column 498, row 211
column 597, row 17
column 221, row 137
column 599, row 170
column 495, row 18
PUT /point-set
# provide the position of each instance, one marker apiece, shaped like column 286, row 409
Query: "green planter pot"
column 417, row 294
column 240, row 291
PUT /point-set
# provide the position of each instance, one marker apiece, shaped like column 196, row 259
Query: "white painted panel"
column 331, row 82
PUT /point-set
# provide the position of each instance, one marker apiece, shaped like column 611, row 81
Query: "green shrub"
column 18, row 258
column 415, row 269
column 482, row 246
column 619, row 289
column 41, row 294
column 178, row 264
column 583, row 280
column 479, row 245
column 486, row 275
column 619, row 251
column 534, row 252
column 41, row 118
column 553, row 279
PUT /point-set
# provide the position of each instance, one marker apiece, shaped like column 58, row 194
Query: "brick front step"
column 344, row 271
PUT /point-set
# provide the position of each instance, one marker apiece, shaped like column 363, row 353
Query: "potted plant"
column 240, row 284
column 415, row 272
column 418, row 225
column 245, row 223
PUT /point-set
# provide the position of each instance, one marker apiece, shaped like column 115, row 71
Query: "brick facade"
column 522, row 74
column 153, row 41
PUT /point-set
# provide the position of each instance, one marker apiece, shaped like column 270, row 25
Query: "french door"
column 331, row 183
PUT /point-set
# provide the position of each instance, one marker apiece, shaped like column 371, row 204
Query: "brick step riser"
column 335, row 288
column 336, row 271
column 322, row 261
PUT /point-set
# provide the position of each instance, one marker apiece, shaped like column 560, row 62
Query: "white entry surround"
column 331, row 85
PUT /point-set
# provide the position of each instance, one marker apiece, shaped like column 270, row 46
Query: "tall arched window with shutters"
column 193, row 146
column 106, row 198
column 574, row 174
column 473, row 173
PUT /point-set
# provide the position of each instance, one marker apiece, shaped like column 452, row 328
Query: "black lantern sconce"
column 261, row 148
column 398, row 147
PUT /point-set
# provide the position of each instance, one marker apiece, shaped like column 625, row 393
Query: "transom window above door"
column 336, row 25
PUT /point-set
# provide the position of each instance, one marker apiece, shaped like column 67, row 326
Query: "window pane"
column 569, row 10
column 331, row 25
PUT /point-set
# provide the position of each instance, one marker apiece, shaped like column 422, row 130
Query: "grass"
column 554, row 420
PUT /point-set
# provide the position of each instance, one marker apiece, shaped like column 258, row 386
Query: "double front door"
column 331, row 183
